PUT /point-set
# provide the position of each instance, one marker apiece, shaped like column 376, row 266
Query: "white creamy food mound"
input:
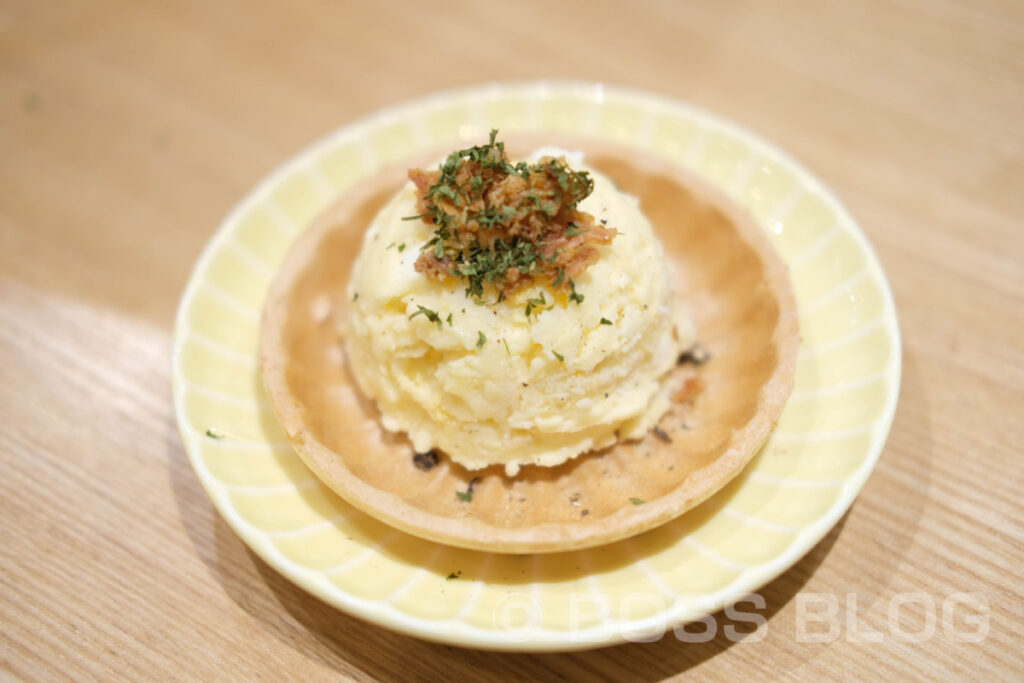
column 487, row 384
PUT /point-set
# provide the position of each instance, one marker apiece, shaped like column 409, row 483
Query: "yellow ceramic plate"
column 826, row 443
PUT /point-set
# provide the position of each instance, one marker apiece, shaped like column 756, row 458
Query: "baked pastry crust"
column 726, row 270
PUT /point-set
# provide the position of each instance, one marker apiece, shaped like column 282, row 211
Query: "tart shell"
column 736, row 287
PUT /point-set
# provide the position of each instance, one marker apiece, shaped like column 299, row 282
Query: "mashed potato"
column 488, row 385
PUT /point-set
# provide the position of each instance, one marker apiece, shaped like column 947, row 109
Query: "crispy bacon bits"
column 506, row 225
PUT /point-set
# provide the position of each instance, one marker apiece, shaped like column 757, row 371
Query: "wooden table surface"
column 128, row 130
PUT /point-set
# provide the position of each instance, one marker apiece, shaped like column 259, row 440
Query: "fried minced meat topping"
column 506, row 225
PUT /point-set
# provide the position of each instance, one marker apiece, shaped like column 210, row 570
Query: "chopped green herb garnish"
column 389, row 246
column 355, row 296
column 480, row 340
column 401, row 247
column 606, row 321
column 636, row 501
column 214, row 434
column 452, row 576
column 559, row 356
column 432, row 316
column 506, row 347
column 467, row 495
column 449, row 320
column 574, row 295
column 535, row 302
column 501, row 224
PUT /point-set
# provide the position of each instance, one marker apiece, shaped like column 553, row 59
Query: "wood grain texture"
column 127, row 130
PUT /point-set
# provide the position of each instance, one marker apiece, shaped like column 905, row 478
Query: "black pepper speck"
column 425, row 461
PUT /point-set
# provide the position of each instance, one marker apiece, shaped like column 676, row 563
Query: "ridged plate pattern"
column 818, row 458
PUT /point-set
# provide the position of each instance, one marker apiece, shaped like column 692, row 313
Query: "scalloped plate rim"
column 388, row 616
